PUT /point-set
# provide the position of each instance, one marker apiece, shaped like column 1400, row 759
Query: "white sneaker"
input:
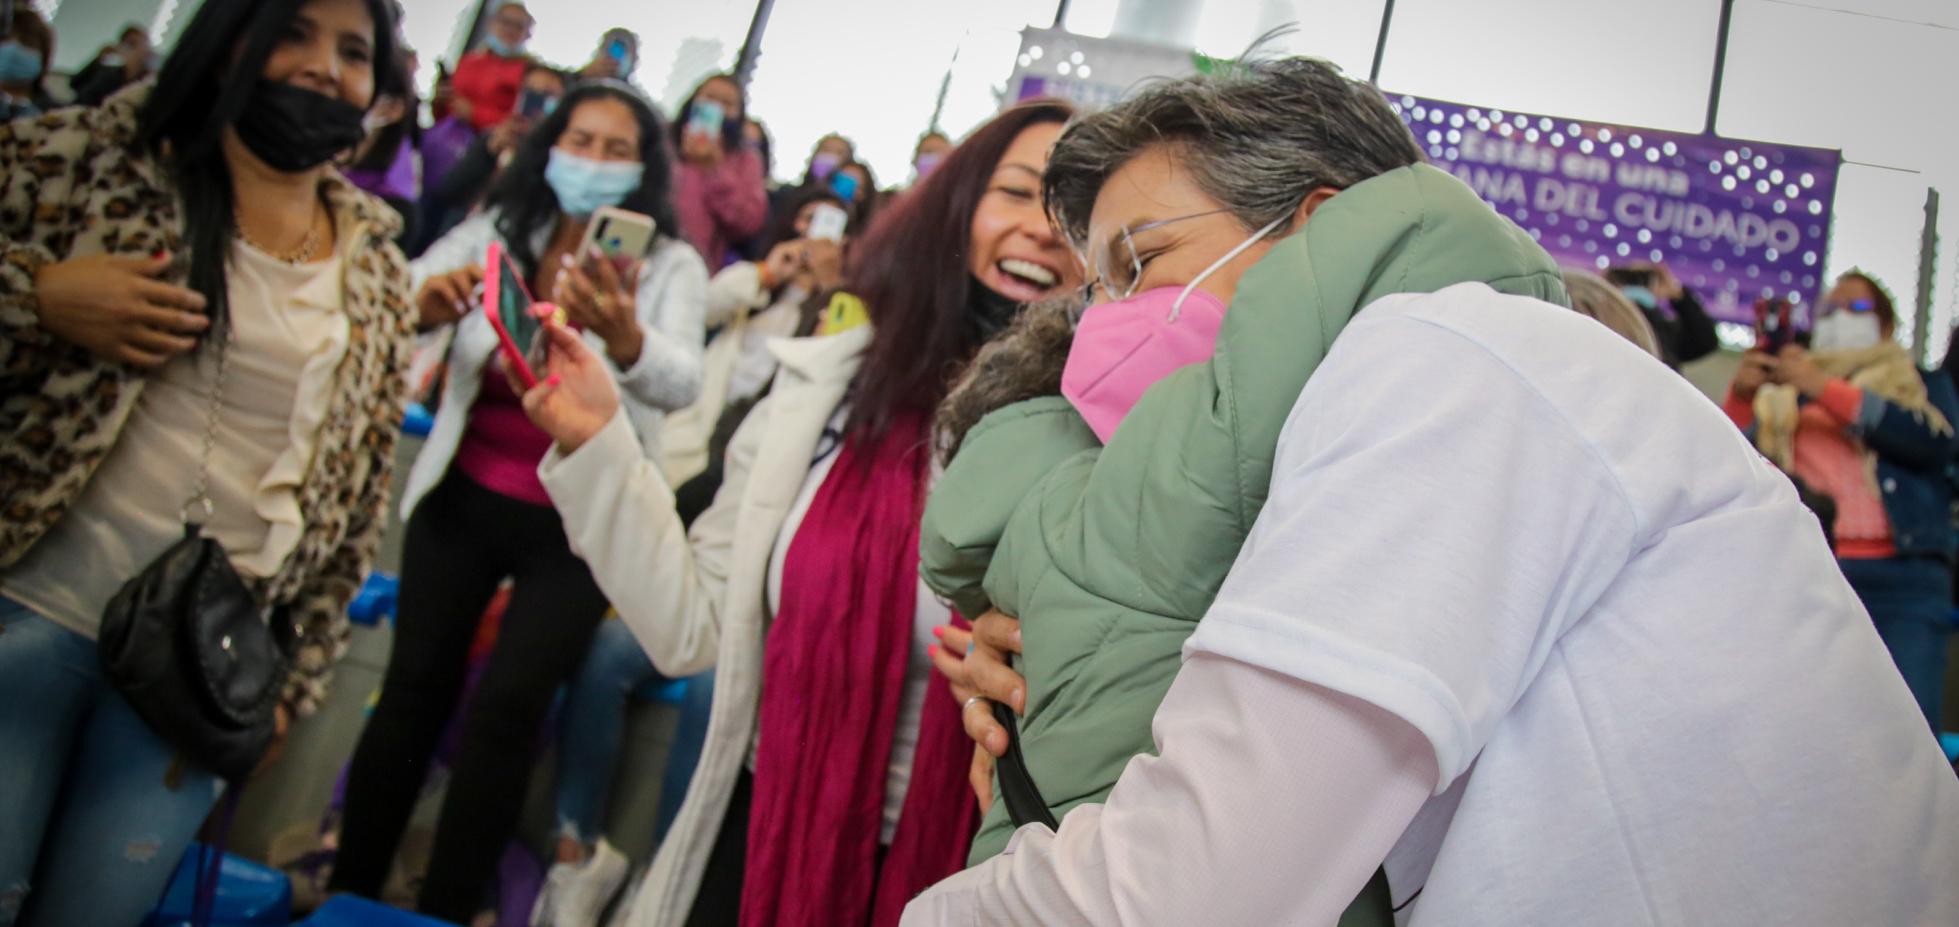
column 575, row 894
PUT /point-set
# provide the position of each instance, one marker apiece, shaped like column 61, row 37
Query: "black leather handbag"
column 187, row 644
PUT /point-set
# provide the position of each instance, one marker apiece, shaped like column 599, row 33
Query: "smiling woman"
column 198, row 208
column 814, row 536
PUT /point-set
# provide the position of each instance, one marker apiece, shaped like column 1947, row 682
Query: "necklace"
column 307, row 250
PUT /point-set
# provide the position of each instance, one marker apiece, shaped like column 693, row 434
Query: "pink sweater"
column 501, row 448
column 719, row 207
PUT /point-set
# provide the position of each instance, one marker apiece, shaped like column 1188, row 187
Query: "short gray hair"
column 1258, row 139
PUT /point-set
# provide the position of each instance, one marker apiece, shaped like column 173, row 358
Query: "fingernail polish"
column 939, row 632
column 931, row 650
column 552, row 380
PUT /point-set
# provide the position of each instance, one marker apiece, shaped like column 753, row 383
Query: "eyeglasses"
column 1117, row 269
column 1855, row 305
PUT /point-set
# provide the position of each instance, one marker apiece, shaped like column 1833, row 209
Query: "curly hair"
column 1024, row 362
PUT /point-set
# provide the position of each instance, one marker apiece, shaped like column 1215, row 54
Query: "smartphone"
column 1775, row 325
column 844, row 185
column 707, row 118
column 535, row 104
column 621, row 235
column 509, row 307
column 828, row 222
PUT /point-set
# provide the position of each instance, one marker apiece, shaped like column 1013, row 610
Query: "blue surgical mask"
column 584, row 186
column 502, row 48
column 18, row 63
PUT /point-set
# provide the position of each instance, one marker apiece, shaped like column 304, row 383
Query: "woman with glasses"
column 1396, row 585
column 1854, row 419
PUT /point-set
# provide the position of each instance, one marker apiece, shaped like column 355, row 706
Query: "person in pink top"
column 718, row 190
column 1853, row 418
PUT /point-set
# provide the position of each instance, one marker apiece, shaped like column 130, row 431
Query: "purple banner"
column 1734, row 220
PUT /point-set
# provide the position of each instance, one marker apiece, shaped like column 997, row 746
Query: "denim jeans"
column 89, row 832
column 1910, row 601
column 594, row 719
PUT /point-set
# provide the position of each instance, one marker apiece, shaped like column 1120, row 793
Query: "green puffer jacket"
column 1110, row 556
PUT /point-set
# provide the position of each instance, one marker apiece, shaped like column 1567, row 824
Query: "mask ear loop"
column 1177, row 308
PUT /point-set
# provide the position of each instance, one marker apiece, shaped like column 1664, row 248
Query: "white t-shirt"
column 289, row 338
column 1652, row 696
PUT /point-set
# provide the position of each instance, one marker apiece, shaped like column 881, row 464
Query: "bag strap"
column 200, row 493
column 204, row 899
column 1024, row 802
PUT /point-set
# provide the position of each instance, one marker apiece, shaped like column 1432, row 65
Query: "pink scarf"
column 832, row 673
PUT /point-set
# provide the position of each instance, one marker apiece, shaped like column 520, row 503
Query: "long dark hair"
column 199, row 91
column 910, row 269
column 525, row 203
column 730, row 127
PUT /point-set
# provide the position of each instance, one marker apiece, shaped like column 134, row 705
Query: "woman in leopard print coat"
column 186, row 240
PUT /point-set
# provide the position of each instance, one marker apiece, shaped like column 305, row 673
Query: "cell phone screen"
column 707, row 118
column 514, row 305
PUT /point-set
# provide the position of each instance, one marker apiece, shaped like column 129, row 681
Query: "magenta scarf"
column 832, row 673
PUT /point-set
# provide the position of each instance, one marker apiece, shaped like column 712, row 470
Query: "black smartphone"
column 1775, row 326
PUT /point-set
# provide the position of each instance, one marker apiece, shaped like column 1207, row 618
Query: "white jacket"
column 671, row 301
column 739, row 305
column 698, row 599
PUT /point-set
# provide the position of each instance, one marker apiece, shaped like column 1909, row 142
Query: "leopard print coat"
column 71, row 185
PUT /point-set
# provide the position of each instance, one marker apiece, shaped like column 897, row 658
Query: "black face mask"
column 989, row 312
column 293, row 129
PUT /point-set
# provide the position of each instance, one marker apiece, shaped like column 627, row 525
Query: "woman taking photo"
column 197, row 315
column 719, row 192
column 476, row 513
column 851, row 769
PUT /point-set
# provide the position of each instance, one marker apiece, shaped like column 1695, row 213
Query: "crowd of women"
column 1231, row 494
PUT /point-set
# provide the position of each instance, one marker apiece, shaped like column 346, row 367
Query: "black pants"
column 462, row 541
column 718, row 903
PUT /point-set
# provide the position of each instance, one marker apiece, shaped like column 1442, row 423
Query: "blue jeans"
column 594, row 718
column 89, row 833
column 1910, row 601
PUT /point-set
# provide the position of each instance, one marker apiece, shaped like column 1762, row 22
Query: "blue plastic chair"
column 419, row 422
column 665, row 691
column 376, row 600
column 249, row 895
column 353, row 911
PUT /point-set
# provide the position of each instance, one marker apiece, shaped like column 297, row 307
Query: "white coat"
column 737, row 304
column 698, row 599
column 671, row 300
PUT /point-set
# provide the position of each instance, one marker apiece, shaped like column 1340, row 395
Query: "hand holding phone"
column 579, row 398
column 827, row 222
column 1775, row 326
column 707, row 118
column 599, row 299
column 620, row 235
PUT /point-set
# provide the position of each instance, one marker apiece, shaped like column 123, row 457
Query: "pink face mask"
column 1123, row 347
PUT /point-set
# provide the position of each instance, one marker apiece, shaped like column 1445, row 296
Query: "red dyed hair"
column 910, row 269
